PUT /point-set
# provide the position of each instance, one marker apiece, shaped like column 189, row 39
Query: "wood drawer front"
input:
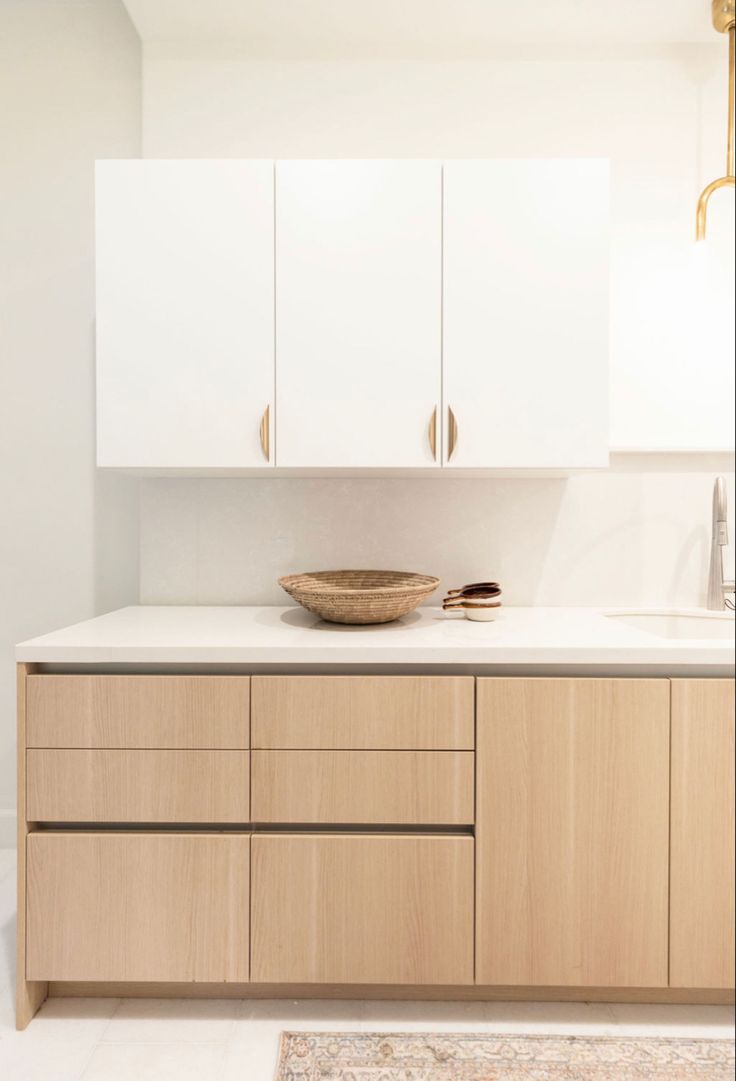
column 364, row 712
column 362, row 909
column 137, row 786
column 364, row 787
column 138, row 711
column 142, row 906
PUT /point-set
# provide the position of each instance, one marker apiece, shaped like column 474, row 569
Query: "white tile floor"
column 176, row 1040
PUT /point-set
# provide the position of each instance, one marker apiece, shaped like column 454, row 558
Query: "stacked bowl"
column 479, row 601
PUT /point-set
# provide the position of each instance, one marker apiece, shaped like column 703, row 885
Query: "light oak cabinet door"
column 362, row 909
column 572, row 832
column 185, row 312
column 702, row 876
column 137, row 907
column 525, row 313
column 358, row 311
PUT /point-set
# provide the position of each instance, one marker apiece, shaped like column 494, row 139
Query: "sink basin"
column 679, row 624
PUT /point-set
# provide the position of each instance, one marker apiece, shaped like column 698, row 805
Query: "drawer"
column 137, row 786
column 364, row 787
column 362, row 909
column 137, row 907
column 363, row 712
column 138, row 711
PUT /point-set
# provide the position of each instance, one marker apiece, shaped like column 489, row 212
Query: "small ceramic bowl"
column 480, row 613
column 478, row 601
column 479, row 609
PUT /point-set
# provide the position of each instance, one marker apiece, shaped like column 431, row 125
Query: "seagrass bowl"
column 359, row 596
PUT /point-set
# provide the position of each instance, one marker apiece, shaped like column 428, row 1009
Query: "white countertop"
column 292, row 636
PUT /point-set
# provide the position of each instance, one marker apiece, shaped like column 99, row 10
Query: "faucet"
column 717, row 587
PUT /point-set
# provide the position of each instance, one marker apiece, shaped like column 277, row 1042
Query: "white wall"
column 637, row 535
column 70, row 92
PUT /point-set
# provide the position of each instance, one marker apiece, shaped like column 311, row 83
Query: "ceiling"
column 432, row 28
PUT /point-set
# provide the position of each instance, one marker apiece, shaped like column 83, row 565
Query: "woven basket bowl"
column 359, row 596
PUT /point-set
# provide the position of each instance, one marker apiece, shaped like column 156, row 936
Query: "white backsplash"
column 625, row 537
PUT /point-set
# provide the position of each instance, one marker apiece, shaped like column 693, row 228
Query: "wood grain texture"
column 29, row 994
column 129, row 712
column 364, row 712
column 138, row 786
column 702, row 870
column 140, row 906
column 382, row 992
column 365, row 908
column 377, row 787
column 572, row 832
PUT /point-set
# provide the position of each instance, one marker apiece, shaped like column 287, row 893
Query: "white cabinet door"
column 358, row 312
column 526, row 313
column 185, row 312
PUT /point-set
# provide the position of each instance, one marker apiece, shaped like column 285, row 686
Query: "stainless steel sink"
column 678, row 623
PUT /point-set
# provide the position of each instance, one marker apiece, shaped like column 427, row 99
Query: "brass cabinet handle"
column 451, row 433
column 433, row 434
column 266, row 433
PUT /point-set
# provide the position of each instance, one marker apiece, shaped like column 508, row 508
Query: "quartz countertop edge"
column 265, row 635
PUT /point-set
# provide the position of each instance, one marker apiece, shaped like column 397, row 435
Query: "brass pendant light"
column 724, row 20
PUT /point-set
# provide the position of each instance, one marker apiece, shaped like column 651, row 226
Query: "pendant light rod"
column 724, row 20
column 731, row 60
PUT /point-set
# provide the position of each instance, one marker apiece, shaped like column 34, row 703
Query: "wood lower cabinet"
column 564, row 837
column 136, row 906
column 362, row 909
column 572, row 832
column 702, row 873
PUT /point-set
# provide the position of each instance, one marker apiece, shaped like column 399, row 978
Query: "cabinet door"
column 359, row 909
column 137, row 906
column 358, row 311
column 702, row 884
column 185, row 312
column 526, row 313
column 572, row 832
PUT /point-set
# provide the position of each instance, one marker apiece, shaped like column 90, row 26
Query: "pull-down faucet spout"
column 717, row 587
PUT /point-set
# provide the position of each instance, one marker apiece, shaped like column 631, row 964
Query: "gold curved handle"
column 433, row 434
column 266, row 433
column 451, row 433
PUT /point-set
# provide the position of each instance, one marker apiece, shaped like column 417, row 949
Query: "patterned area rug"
column 423, row 1056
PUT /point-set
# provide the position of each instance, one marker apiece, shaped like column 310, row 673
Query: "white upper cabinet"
column 525, row 313
column 358, row 312
column 185, row 323
column 252, row 315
